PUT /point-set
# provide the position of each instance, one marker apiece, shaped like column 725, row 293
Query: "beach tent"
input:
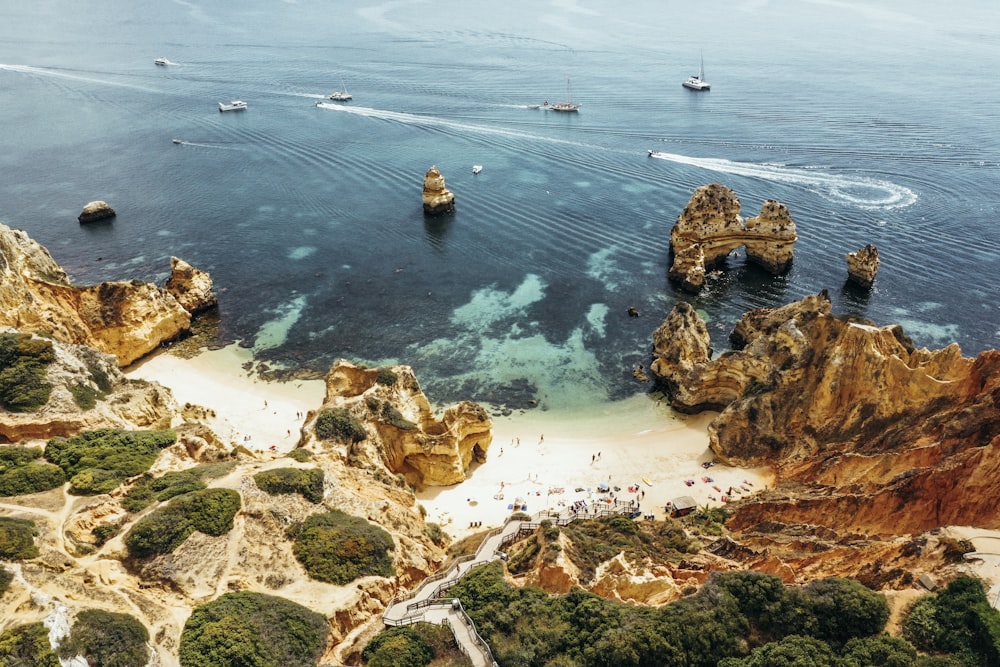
column 683, row 506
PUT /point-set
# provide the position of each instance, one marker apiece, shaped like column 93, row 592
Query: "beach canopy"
column 682, row 503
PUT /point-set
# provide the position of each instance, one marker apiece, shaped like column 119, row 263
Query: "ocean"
column 873, row 122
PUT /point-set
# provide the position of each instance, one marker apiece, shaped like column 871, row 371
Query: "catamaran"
column 697, row 81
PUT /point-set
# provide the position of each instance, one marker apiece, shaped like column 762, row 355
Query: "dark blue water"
column 873, row 124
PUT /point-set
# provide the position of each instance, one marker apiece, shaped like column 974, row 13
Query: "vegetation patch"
column 306, row 482
column 24, row 361
column 386, row 377
column 6, row 576
column 210, row 511
column 17, row 539
column 25, row 645
column 414, row 645
column 148, row 489
column 338, row 548
column 737, row 619
column 959, row 621
column 301, row 455
column 107, row 638
column 387, row 413
column 99, row 461
column 339, row 424
column 252, row 629
column 22, row 473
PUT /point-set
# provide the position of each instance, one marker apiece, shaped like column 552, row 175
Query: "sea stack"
column 862, row 266
column 437, row 199
column 710, row 228
column 96, row 210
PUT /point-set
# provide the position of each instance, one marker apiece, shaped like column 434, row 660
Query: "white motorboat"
column 697, row 81
column 161, row 61
column 476, row 168
column 178, row 141
column 564, row 106
column 235, row 105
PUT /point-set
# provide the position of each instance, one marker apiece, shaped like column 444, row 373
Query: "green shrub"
column 338, row 548
column 397, row 647
column 105, row 531
column 386, row 377
column 247, row 629
column 17, row 539
column 339, row 424
column 84, row 396
column 108, row 639
column 27, row 645
column 388, row 414
column 436, row 534
column 300, row 455
column 6, row 576
column 99, row 461
column 24, row 361
column 210, row 511
column 20, row 474
column 958, row 620
column 151, row 489
column 308, row 482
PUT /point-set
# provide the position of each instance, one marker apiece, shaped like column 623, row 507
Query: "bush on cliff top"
column 107, row 638
column 251, row 629
column 17, row 539
column 210, row 511
column 21, row 473
column 338, row 548
column 24, row 361
column 339, row 424
column 308, row 483
column 6, row 576
column 27, row 644
column 99, row 461
column 148, row 489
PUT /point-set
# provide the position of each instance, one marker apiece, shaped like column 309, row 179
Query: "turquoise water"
column 873, row 124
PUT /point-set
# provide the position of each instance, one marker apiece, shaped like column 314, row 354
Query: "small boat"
column 341, row 95
column 476, row 168
column 564, row 106
column 235, row 105
column 161, row 61
column 178, row 141
column 697, row 81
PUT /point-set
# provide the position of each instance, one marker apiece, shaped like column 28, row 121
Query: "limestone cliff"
column 403, row 436
column 902, row 439
column 437, row 198
column 710, row 228
column 128, row 319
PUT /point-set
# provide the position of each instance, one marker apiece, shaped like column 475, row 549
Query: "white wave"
column 42, row 71
column 860, row 191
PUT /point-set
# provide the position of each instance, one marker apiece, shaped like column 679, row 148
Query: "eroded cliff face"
column 710, row 228
column 902, row 439
column 128, row 319
column 403, row 434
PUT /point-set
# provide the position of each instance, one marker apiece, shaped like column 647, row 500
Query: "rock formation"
column 403, row 435
column 862, row 266
column 128, row 319
column 437, row 198
column 191, row 287
column 96, row 210
column 908, row 438
column 710, row 228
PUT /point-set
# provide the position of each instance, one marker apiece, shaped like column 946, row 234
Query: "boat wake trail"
column 862, row 192
column 184, row 142
column 41, row 71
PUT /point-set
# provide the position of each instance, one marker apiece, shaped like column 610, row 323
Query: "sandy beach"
column 642, row 450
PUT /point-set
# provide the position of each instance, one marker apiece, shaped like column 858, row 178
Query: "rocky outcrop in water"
column 862, row 266
column 191, row 287
column 96, row 210
column 904, row 439
column 437, row 198
column 403, row 436
column 128, row 319
column 710, row 228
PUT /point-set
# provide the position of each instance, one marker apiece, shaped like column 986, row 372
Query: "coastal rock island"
column 96, row 210
column 128, row 319
column 438, row 199
column 710, row 228
column 862, row 266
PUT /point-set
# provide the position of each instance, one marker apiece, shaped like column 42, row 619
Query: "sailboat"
column 564, row 106
column 697, row 81
column 341, row 95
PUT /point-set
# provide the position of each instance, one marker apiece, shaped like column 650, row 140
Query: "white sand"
column 532, row 453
